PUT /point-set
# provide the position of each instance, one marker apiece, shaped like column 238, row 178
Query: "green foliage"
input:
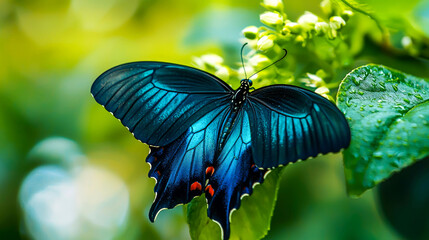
column 251, row 221
column 404, row 200
column 388, row 112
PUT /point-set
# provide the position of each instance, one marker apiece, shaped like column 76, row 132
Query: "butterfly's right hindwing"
column 158, row 101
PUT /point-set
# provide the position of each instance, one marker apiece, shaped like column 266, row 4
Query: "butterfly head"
column 247, row 82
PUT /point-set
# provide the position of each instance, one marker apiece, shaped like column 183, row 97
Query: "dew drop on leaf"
column 356, row 81
column 418, row 96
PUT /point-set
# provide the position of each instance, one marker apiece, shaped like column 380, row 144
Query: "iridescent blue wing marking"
column 158, row 101
column 180, row 167
column 289, row 123
column 234, row 174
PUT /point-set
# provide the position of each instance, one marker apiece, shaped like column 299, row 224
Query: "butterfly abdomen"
column 226, row 128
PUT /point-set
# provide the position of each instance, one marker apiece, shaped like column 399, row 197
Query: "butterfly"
column 207, row 138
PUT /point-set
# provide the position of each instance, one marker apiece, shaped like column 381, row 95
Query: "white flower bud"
column 212, row 59
column 250, row 32
column 259, row 60
column 273, row 5
column 271, row 19
column 308, row 18
column 336, row 22
column 265, row 43
column 314, row 79
column 322, row 90
column 293, row 27
column 222, row 73
column 198, row 62
column 321, row 27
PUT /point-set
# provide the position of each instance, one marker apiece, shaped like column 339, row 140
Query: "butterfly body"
column 237, row 101
column 214, row 140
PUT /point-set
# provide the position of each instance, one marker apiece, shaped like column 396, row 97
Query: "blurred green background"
column 69, row 170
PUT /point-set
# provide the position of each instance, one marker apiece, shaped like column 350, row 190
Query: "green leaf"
column 388, row 112
column 251, row 221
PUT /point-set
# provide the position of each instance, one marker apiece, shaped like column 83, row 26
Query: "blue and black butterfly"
column 207, row 138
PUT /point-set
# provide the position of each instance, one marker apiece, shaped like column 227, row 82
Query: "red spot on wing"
column 209, row 171
column 209, row 189
column 159, row 173
column 196, row 186
column 252, row 166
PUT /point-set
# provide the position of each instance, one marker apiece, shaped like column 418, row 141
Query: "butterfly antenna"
column 270, row 64
column 242, row 62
